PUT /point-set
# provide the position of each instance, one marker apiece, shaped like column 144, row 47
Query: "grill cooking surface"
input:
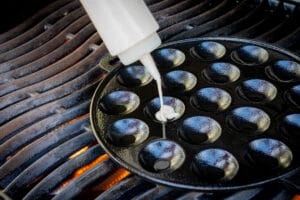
column 49, row 69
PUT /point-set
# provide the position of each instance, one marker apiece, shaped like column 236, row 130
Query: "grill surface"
column 49, row 70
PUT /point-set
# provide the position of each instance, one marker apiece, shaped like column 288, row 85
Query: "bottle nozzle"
column 150, row 65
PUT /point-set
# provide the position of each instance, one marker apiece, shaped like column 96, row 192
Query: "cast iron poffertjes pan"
column 238, row 116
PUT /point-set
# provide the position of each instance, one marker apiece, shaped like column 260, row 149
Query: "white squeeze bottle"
column 129, row 31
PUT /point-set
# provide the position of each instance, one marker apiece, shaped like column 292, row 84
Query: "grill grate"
column 48, row 73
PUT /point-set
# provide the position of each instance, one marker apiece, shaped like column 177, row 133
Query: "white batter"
column 166, row 112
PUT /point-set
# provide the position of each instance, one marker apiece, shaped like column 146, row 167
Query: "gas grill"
column 50, row 57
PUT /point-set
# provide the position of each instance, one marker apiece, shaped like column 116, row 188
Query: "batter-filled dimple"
column 166, row 113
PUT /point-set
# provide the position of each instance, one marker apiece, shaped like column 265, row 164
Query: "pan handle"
column 292, row 181
column 109, row 63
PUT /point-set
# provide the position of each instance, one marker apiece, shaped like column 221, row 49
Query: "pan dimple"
column 250, row 55
column 179, row 81
column 294, row 95
column 209, row 50
column 119, row 102
column 168, row 58
column 154, row 106
column 249, row 119
column 258, row 90
column 162, row 156
column 200, row 129
column 215, row 165
column 127, row 132
column 285, row 71
column 291, row 125
column 134, row 76
column 211, row 99
column 269, row 153
column 222, row 73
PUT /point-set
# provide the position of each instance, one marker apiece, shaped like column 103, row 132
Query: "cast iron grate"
column 49, row 70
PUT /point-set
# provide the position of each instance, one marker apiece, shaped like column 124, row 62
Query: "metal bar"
column 100, row 171
column 45, row 67
column 47, row 113
column 71, row 76
column 239, row 24
column 39, row 28
column 27, row 136
column 184, row 14
column 52, row 139
column 289, row 24
column 24, row 182
column 161, row 192
column 269, row 19
column 31, row 51
column 220, row 21
column 126, row 189
column 43, row 189
column 212, row 12
column 40, row 15
column 51, row 160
